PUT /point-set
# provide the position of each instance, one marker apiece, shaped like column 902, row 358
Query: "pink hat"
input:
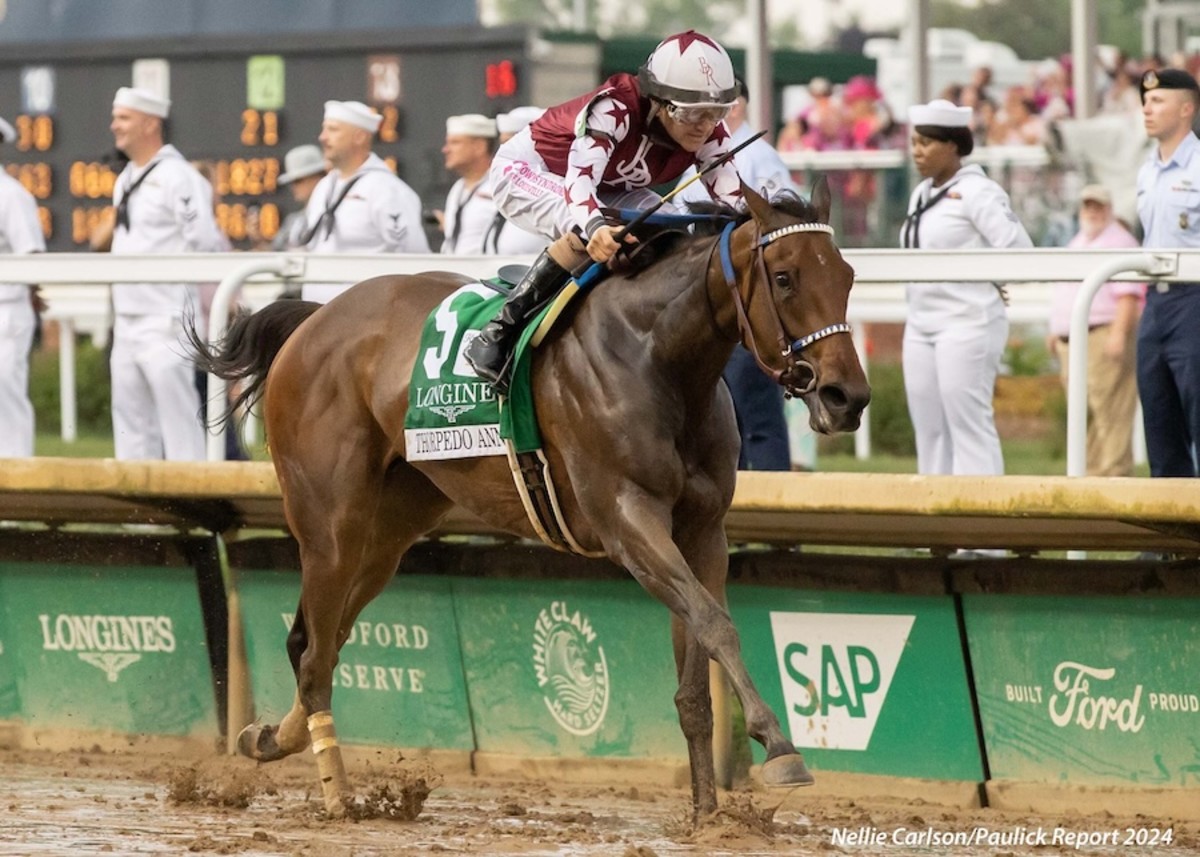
column 860, row 86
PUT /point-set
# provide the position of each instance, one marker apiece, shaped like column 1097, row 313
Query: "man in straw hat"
column 303, row 168
column 361, row 206
column 163, row 205
column 20, row 232
column 1111, row 339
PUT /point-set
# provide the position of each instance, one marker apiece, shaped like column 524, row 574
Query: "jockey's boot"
column 490, row 353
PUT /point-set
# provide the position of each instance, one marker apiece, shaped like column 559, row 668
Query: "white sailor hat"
column 940, row 113
column 7, row 132
column 301, row 162
column 515, row 120
column 142, row 100
column 470, row 125
column 353, row 113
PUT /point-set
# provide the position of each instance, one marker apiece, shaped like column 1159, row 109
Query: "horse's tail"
column 249, row 348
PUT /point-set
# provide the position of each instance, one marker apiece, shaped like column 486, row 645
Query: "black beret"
column 1168, row 78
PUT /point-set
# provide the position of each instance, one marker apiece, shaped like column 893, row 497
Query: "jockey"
column 606, row 148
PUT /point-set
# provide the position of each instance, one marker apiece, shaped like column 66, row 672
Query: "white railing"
column 990, row 157
column 878, row 295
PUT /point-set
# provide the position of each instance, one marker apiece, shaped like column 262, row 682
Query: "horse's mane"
column 785, row 202
column 658, row 242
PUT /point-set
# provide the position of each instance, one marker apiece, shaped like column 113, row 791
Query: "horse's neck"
column 676, row 312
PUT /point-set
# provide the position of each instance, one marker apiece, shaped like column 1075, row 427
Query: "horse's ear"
column 821, row 200
column 759, row 207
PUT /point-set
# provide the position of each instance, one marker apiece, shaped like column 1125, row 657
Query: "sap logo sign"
column 836, row 670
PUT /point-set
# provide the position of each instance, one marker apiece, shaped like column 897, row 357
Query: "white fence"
column 74, row 285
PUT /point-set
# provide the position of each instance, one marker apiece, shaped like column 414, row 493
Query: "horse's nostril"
column 834, row 398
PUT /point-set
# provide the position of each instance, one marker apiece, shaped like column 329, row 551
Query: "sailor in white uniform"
column 163, row 205
column 955, row 332
column 470, row 210
column 20, row 232
column 360, row 206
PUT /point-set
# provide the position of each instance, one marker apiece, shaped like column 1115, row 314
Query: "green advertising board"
column 10, row 701
column 1088, row 690
column 117, row 649
column 569, row 668
column 856, row 678
column 399, row 679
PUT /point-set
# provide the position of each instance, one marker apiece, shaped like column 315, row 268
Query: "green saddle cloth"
column 452, row 412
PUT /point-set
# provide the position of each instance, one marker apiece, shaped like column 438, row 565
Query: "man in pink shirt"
column 1112, row 330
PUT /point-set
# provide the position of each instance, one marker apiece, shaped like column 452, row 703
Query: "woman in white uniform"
column 956, row 332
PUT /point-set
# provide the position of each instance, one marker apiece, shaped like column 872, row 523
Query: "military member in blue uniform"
column 1168, row 345
column 757, row 400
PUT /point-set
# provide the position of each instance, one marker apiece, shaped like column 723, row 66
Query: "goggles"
column 698, row 115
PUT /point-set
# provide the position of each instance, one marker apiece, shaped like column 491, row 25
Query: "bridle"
column 790, row 349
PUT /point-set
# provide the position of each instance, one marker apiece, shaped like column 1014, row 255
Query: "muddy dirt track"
column 91, row 802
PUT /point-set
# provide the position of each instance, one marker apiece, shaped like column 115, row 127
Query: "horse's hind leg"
column 267, row 743
column 350, row 545
column 693, row 701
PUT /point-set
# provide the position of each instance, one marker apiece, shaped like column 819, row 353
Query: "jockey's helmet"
column 689, row 70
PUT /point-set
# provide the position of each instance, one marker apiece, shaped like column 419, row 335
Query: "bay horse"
column 638, row 429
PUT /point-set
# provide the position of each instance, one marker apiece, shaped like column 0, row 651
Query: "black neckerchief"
column 123, row 205
column 911, row 238
column 458, row 212
column 493, row 233
column 331, row 207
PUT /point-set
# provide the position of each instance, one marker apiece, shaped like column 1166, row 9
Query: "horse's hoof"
column 786, row 770
column 258, row 742
column 335, row 807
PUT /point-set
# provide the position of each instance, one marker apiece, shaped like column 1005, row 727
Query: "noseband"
column 790, row 349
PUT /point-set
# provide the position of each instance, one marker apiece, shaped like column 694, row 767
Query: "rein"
column 789, row 350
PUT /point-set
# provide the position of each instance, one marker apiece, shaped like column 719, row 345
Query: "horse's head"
column 790, row 289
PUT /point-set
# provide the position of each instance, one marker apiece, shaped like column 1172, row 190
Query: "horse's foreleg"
column 694, row 704
column 784, row 766
column 646, row 548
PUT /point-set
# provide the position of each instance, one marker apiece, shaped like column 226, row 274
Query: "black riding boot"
column 491, row 352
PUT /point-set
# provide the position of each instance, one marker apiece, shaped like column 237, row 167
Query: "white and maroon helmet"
column 689, row 70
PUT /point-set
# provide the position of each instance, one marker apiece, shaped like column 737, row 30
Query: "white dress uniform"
column 505, row 238
column 469, row 215
column 378, row 214
column 955, row 332
column 499, row 237
column 155, row 403
column 20, row 232
column 759, row 166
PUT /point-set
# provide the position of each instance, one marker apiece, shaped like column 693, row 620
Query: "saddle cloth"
column 452, row 412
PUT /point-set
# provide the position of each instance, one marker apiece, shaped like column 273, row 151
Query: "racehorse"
column 638, row 429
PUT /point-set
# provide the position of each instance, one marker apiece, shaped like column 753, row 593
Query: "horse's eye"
column 783, row 280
